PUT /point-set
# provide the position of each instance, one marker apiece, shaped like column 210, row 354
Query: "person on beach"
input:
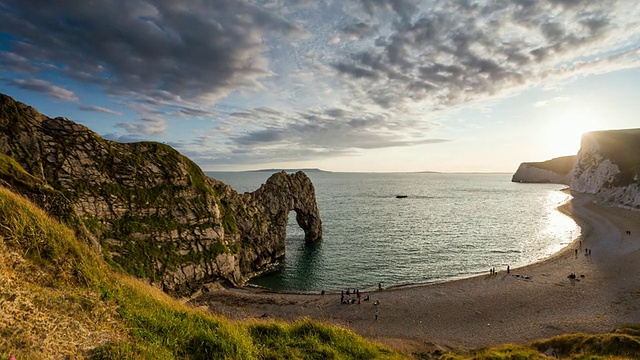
column 508, row 269
column 341, row 296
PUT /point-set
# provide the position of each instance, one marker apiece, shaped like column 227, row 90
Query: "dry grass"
column 60, row 300
column 39, row 322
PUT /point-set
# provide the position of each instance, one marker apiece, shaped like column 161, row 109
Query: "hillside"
column 146, row 208
column 59, row 298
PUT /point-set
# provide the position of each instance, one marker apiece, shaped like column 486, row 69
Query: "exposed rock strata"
column 150, row 210
column 607, row 166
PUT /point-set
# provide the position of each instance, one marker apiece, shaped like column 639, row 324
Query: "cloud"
column 146, row 126
column 17, row 63
column 296, row 79
column 332, row 130
column 449, row 53
column 46, row 88
column 549, row 102
column 100, row 110
column 193, row 50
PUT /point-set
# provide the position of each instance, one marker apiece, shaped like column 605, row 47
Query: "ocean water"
column 449, row 226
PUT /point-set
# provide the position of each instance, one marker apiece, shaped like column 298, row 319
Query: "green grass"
column 311, row 340
column 155, row 325
column 63, row 279
column 625, row 343
column 10, row 169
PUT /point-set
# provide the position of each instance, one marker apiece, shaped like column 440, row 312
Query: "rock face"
column 148, row 209
column 555, row 171
column 607, row 165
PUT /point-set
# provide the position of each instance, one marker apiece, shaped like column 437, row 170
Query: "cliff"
column 556, row 171
column 607, row 166
column 146, row 208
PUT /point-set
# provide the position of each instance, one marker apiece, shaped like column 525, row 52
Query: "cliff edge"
column 607, row 166
column 146, row 208
column 557, row 171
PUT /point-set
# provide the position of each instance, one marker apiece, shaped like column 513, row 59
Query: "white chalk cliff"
column 528, row 172
column 557, row 171
column 607, row 166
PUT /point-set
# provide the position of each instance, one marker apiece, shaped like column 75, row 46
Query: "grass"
column 59, row 298
column 560, row 165
column 10, row 169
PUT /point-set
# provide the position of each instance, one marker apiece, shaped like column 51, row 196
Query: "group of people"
column 357, row 298
column 493, row 271
column 587, row 252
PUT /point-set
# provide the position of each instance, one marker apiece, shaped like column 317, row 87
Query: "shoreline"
column 534, row 301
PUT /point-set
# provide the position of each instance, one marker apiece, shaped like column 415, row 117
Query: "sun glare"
column 564, row 132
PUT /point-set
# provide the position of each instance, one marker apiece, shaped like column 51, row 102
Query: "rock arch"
column 283, row 193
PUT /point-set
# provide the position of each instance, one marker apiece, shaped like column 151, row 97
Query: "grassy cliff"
column 58, row 298
column 560, row 165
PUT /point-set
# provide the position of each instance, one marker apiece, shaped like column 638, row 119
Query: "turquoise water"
column 448, row 226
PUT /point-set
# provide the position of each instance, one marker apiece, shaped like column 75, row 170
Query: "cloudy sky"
column 342, row 85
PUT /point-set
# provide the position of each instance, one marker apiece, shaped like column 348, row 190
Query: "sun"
column 563, row 132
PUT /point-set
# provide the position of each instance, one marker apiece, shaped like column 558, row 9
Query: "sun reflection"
column 558, row 225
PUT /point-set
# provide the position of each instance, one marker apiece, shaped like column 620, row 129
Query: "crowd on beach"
column 352, row 297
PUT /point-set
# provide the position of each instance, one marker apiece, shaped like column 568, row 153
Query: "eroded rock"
column 149, row 209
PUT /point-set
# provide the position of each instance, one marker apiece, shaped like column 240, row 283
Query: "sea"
column 449, row 226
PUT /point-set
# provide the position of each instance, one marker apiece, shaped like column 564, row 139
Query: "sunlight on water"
column 448, row 226
column 558, row 224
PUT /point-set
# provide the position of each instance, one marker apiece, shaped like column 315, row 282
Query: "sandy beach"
column 529, row 303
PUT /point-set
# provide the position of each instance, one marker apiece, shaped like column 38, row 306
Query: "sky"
column 340, row 85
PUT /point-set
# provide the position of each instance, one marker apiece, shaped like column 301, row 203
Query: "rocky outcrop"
column 608, row 166
column 148, row 209
column 555, row 171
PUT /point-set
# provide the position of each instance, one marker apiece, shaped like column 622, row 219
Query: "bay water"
column 448, row 226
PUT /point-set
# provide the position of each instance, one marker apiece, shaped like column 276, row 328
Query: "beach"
column 528, row 303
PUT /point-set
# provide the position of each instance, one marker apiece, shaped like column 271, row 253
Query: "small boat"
column 401, row 196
